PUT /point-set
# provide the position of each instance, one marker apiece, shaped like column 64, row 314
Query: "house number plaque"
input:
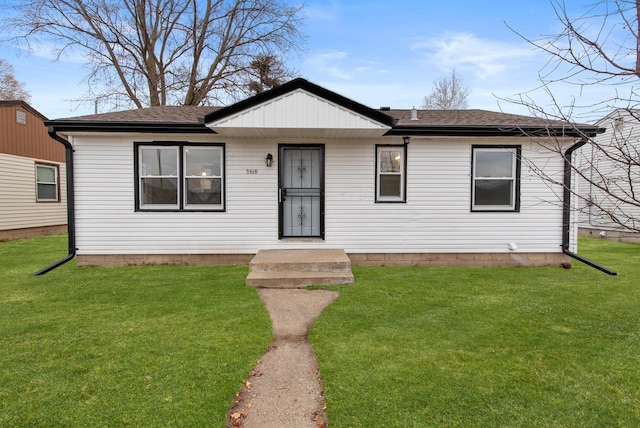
column 252, row 171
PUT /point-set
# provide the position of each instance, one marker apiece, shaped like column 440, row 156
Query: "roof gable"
column 299, row 108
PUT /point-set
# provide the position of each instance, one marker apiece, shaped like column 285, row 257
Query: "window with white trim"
column 496, row 178
column 391, row 173
column 180, row 176
column 47, row 187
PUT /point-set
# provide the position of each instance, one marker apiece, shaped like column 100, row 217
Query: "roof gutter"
column 489, row 131
column 71, row 229
column 114, row 126
column 566, row 212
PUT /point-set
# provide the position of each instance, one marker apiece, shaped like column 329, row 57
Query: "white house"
column 609, row 179
column 301, row 167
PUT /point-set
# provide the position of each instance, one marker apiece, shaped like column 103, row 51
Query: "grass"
column 139, row 346
column 402, row 347
column 417, row 347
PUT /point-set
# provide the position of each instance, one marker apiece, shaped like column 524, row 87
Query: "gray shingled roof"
column 160, row 114
column 195, row 114
column 472, row 117
column 428, row 122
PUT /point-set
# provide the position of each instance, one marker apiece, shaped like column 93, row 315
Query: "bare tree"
column 449, row 93
column 162, row 52
column 10, row 88
column 599, row 48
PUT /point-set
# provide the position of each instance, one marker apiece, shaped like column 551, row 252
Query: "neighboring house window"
column 391, row 165
column 46, row 183
column 495, row 178
column 180, row 176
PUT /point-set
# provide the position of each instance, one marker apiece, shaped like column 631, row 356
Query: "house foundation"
column 357, row 259
column 31, row 232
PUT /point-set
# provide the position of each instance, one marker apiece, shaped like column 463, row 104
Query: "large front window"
column 180, row 177
column 390, row 173
column 495, row 184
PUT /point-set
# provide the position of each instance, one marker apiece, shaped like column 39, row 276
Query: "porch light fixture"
column 268, row 160
column 406, row 140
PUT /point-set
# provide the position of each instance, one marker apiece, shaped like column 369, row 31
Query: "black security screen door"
column 301, row 191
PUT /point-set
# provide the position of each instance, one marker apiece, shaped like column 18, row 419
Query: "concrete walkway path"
column 285, row 389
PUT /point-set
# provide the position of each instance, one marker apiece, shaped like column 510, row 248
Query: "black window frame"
column 180, row 146
column 403, row 197
column 518, row 168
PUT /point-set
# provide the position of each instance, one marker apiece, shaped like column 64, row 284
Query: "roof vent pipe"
column 414, row 113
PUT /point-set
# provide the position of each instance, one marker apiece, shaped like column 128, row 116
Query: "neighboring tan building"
column 32, row 175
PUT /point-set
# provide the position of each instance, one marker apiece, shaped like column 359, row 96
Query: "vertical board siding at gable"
column 299, row 110
column 30, row 140
column 18, row 206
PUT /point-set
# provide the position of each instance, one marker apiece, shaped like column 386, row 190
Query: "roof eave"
column 133, row 127
column 494, row 131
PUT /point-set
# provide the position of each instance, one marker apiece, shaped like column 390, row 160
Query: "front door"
column 301, row 191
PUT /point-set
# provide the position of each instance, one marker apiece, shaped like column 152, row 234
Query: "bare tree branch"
column 10, row 88
column 449, row 93
column 600, row 47
column 157, row 52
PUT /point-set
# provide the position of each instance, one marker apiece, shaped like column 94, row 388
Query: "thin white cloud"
column 484, row 58
column 341, row 65
column 323, row 11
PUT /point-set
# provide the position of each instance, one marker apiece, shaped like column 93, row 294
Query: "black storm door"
column 301, row 191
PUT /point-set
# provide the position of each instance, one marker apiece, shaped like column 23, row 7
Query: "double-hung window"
column 391, row 168
column 47, row 188
column 495, row 178
column 179, row 176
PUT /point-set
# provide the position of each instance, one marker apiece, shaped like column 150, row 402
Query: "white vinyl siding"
column 435, row 219
column 19, row 208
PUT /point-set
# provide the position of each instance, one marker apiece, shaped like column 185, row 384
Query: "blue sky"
column 380, row 53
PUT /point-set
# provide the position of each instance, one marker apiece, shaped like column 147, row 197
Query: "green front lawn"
column 170, row 345
column 140, row 346
column 486, row 347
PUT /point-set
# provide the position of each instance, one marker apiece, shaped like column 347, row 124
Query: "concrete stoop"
column 299, row 268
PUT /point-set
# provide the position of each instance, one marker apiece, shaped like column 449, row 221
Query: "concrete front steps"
column 299, row 268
